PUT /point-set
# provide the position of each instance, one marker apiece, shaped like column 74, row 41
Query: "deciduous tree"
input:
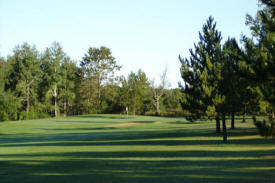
column 158, row 90
column 24, row 74
column 52, row 78
column 99, row 67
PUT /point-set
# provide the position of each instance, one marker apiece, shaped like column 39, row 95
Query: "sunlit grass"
column 116, row 148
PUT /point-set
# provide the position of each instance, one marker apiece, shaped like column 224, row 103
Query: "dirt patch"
column 123, row 125
column 131, row 123
column 143, row 122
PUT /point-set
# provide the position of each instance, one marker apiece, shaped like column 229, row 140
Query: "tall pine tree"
column 259, row 64
column 201, row 74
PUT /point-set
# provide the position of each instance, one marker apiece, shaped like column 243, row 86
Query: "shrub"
column 22, row 115
column 166, row 113
column 32, row 115
column 266, row 128
column 4, row 116
column 43, row 115
column 8, row 107
column 27, row 115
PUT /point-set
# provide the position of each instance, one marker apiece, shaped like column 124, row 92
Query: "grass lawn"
column 114, row 148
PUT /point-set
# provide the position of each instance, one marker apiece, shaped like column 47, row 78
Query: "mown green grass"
column 97, row 148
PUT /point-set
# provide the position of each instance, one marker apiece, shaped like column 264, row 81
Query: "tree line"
column 219, row 79
column 36, row 85
column 227, row 78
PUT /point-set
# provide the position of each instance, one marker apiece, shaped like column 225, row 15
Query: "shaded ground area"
column 110, row 148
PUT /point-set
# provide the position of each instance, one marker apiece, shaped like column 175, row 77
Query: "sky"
column 142, row 34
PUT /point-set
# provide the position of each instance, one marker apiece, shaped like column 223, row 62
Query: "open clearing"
column 114, row 148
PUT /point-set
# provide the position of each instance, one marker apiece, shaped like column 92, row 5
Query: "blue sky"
column 142, row 34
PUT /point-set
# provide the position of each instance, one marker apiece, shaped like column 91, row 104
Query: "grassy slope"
column 92, row 149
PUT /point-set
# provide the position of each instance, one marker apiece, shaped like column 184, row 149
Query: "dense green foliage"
column 259, row 61
column 266, row 127
column 99, row 67
column 135, row 93
column 202, row 74
column 36, row 85
column 210, row 85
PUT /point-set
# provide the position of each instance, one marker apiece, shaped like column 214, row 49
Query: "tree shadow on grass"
column 238, row 132
column 107, row 136
column 113, row 167
column 268, row 154
column 145, row 143
column 137, row 166
column 103, row 133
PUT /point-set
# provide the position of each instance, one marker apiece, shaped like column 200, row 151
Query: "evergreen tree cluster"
column 224, row 78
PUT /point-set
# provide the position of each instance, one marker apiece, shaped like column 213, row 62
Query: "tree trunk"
column 98, row 97
column 55, row 95
column 55, row 101
column 244, row 114
column 65, row 108
column 28, row 98
column 65, row 99
column 218, row 125
column 224, row 128
column 233, row 121
column 134, row 106
column 157, row 106
column 98, row 94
